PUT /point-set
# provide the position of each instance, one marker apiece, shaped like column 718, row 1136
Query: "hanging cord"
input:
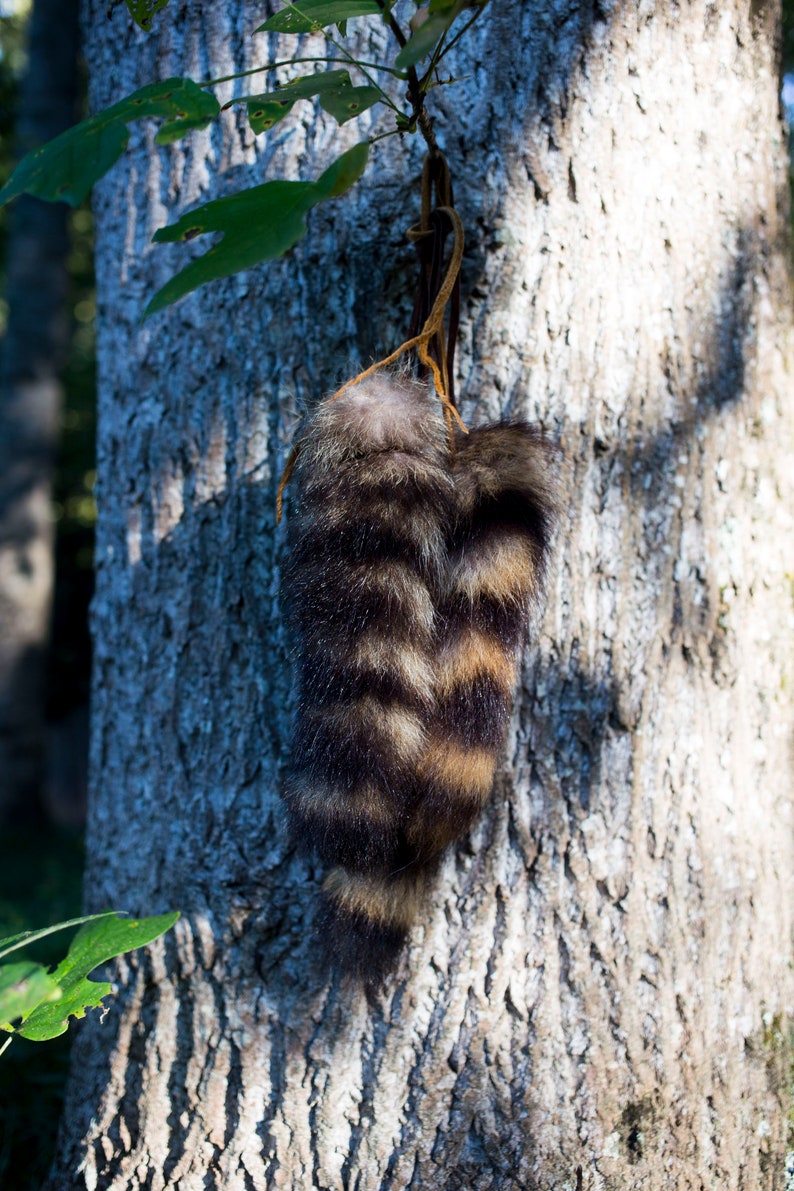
column 433, row 325
column 429, row 237
column 432, row 353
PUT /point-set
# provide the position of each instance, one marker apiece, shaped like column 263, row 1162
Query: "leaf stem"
column 32, row 936
column 241, row 74
column 361, row 66
column 382, row 135
column 438, row 53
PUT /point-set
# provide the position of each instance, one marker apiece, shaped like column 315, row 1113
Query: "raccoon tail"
column 498, row 553
column 367, row 554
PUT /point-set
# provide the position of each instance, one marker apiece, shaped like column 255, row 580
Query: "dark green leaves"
column 257, row 225
column 68, row 166
column 307, row 16
column 142, row 11
column 45, row 1001
column 337, row 95
column 266, row 221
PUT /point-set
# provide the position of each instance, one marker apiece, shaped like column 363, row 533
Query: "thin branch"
column 425, row 125
column 415, row 94
column 461, row 32
column 400, row 37
column 438, row 53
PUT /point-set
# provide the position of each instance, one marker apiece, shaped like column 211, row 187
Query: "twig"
column 415, row 94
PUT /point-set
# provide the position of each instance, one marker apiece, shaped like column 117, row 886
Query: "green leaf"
column 337, row 94
column 95, row 944
column 440, row 14
column 142, row 11
column 344, row 172
column 453, row 8
column 345, row 103
column 23, row 986
column 265, row 111
column 308, row 85
column 422, row 42
column 68, row 166
column 307, row 16
column 258, row 224
column 14, row 942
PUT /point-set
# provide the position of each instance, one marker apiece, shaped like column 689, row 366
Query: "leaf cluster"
column 264, row 221
column 40, row 1001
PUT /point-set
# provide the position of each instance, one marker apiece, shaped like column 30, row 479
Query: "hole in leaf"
column 192, row 232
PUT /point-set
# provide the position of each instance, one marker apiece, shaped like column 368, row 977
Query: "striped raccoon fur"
column 496, row 560
column 408, row 585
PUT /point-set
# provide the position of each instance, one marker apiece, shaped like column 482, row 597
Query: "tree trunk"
column 33, row 353
column 597, row 994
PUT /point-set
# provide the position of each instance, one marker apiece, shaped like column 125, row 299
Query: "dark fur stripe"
column 475, row 712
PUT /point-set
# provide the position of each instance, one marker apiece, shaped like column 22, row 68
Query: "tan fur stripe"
column 364, row 802
column 397, row 582
column 401, row 730
column 472, row 655
column 412, row 525
column 461, row 771
column 391, row 903
column 501, row 569
column 385, row 656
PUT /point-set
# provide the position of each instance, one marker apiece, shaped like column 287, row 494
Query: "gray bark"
column 598, row 993
column 33, row 353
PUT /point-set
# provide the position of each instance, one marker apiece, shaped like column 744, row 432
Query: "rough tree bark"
column 602, row 980
column 33, row 353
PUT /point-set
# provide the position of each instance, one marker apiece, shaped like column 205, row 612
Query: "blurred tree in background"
column 40, row 863
column 46, row 416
